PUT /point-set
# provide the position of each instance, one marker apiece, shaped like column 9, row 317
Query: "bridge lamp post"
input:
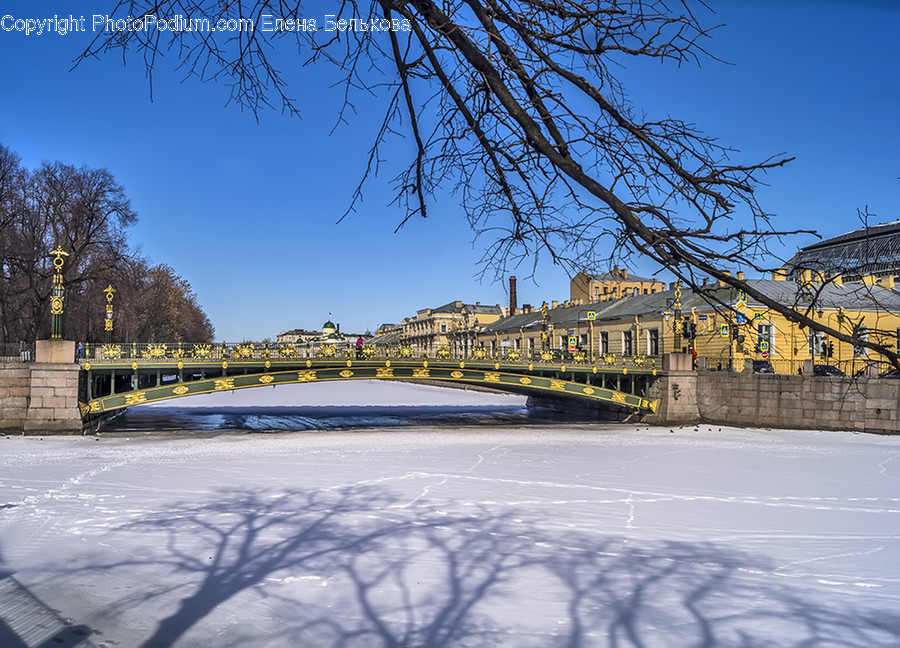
column 57, row 294
column 108, row 321
column 676, row 325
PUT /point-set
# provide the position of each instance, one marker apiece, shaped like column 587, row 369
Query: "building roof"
column 614, row 276
column 869, row 250
column 851, row 296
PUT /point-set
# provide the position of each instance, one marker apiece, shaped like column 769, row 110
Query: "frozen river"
column 505, row 534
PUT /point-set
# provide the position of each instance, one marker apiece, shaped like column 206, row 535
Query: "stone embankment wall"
column 41, row 397
column 811, row 402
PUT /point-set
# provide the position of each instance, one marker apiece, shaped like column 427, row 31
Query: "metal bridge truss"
column 121, row 375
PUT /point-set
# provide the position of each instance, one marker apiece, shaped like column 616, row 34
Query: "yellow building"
column 612, row 285
column 723, row 326
column 451, row 325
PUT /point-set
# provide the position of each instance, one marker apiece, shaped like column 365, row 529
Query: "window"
column 816, row 344
column 626, row 343
column 645, row 291
column 765, row 341
column 518, row 343
column 863, row 335
column 604, row 342
column 443, row 328
column 531, row 344
column 653, row 341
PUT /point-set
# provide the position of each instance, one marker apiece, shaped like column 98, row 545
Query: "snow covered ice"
column 516, row 535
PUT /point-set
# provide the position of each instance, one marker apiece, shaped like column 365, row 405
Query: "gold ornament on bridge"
column 618, row 397
column 326, row 351
column 202, row 351
column 480, row 353
column 457, row 374
column 266, row 379
column 111, row 351
column 346, row 373
column 405, row 351
column 135, row 398
column 443, row 352
column 525, row 380
column 181, row 389
column 242, row 351
column 421, row 373
column 588, row 390
column 385, row 372
column 491, row 376
column 306, row 376
column 154, row 351
column 288, row 352
column 221, row 384
column 558, row 385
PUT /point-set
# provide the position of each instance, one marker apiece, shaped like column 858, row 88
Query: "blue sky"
column 247, row 211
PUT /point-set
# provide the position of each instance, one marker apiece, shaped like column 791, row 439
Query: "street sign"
column 592, row 315
column 724, row 330
column 764, row 346
column 740, row 319
column 765, row 354
column 573, row 342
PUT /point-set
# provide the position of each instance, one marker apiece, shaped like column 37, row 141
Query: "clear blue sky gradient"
column 246, row 211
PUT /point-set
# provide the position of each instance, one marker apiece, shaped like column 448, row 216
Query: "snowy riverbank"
column 536, row 536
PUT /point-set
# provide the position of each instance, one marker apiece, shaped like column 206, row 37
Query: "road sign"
column 740, row 319
column 724, row 330
column 765, row 354
column 592, row 315
column 764, row 346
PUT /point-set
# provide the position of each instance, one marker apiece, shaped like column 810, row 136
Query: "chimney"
column 740, row 275
column 554, row 304
column 727, row 274
column 513, row 299
column 887, row 282
column 779, row 275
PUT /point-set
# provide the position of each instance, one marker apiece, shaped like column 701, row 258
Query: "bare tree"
column 517, row 107
column 87, row 213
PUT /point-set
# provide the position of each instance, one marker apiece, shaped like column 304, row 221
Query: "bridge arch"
column 521, row 379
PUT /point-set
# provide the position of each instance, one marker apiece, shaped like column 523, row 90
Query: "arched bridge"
column 122, row 375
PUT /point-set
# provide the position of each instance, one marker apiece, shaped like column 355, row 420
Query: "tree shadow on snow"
column 360, row 567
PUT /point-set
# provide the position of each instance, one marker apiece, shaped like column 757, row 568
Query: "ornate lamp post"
column 544, row 333
column 677, row 308
column 57, row 295
column 108, row 322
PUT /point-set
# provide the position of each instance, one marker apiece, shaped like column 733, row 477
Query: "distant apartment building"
column 452, row 325
column 612, row 285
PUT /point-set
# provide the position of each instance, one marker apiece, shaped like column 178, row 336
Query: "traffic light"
column 830, row 349
column 693, row 330
column 685, row 329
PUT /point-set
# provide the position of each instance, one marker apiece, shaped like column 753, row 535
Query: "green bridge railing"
column 203, row 353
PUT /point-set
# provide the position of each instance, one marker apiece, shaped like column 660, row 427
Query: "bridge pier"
column 676, row 392
column 42, row 397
